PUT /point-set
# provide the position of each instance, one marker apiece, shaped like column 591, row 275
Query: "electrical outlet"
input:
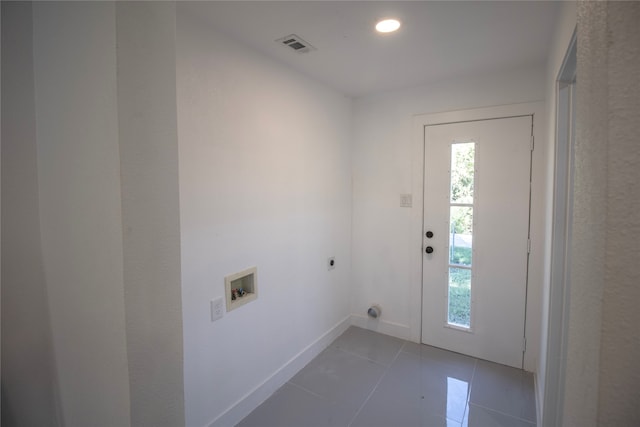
column 406, row 200
column 331, row 263
column 217, row 309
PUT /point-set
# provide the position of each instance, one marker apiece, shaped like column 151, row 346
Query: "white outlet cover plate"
column 217, row 308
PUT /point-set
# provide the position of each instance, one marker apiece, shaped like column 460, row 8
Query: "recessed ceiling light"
column 387, row 25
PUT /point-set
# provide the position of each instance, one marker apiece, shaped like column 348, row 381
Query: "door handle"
column 429, row 249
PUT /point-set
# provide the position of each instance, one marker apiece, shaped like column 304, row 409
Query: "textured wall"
column 603, row 346
column 620, row 347
column 589, row 234
column 148, row 139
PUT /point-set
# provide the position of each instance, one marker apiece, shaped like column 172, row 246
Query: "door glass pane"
column 462, row 164
column 459, row 297
column 461, row 235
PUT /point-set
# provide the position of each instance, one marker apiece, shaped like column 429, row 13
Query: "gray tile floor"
column 366, row 379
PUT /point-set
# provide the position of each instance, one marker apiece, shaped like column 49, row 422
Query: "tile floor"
column 366, row 379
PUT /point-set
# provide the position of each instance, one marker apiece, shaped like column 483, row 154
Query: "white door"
column 476, row 231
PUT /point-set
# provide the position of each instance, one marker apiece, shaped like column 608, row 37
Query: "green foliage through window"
column 460, row 296
column 461, row 256
column 462, row 164
column 461, row 223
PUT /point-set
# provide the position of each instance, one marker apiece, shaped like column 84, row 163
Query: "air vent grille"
column 295, row 43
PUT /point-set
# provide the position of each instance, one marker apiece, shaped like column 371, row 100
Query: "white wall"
column 98, row 172
column 27, row 350
column 80, row 214
column 148, row 141
column 603, row 345
column 264, row 181
column 383, row 158
column 91, row 227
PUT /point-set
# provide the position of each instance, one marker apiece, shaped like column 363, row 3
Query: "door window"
column 461, row 198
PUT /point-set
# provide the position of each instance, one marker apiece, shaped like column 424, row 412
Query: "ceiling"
column 437, row 40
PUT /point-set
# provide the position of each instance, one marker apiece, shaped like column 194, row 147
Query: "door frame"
column 558, row 298
column 538, row 209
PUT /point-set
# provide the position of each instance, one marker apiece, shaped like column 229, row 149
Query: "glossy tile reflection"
column 370, row 379
column 457, row 394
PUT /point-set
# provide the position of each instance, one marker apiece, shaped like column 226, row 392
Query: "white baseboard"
column 384, row 327
column 258, row 395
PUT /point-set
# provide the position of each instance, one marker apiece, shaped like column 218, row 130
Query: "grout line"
column 359, row 356
column 386, row 371
column 366, row 358
column 308, row 391
column 468, row 402
column 503, row 413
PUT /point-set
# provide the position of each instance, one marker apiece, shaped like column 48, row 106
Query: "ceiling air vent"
column 296, row 43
